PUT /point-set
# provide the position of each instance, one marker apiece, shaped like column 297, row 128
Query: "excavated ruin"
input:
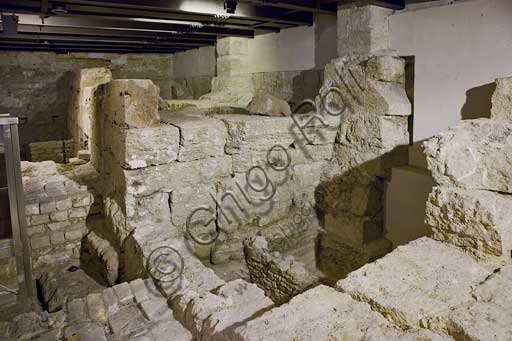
column 236, row 217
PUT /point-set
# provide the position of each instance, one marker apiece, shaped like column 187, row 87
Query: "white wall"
column 294, row 49
column 457, row 47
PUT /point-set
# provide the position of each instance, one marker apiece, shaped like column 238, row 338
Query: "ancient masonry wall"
column 58, row 151
column 56, row 208
column 82, row 104
column 33, row 84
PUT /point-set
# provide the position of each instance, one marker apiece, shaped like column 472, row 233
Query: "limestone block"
column 280, row 277
column 362, row 29
column 131, row 103
column 360, row 94
column 150, row 146
column 91, row 77
column 200, row 137
column 238, row 83
column 268, row 105
column 474, row 154
column 168, row 177
column 394, row 132
column 320, row 313
column 389, row 333
column 232, row 46
column 232, row 65
column 387, row 68
column 477, row 221
column 247, row 301
column 185, row 200
column 489, row 316
column 428, row 280
column 502, row 99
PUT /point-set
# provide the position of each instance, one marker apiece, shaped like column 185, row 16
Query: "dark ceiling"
column 156, row 26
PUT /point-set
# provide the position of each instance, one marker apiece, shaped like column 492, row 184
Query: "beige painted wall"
column 295, row 49
column 459, row 49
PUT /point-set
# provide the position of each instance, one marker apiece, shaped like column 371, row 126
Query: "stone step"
column 84, row 155
column 320, row 313
column 76, row 161
column 489, row 315
column 418, row 284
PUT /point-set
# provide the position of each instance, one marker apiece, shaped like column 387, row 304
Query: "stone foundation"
column 58, row 151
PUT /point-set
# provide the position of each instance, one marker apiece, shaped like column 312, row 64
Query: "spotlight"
column 230, row 6
column 10, row 23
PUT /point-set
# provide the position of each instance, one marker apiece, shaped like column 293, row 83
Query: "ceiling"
column 149, row 26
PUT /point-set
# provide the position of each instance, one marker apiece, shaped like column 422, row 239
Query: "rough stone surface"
column 502, row 99
column 269, row 105
column 489, row 316
column 418, row 284
column 200, row 137
column 362, row 29
column 317, row 314
column 280, row 277
column 474, row 154
column 474, row 220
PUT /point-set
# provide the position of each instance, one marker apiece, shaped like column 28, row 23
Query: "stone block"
column 96, row 308
column 232, row 65
column 78, row 212
column 149, row 146
column 247, row 301
column 39, row 241
column 200, row 137
column 32, row 209
column 92, row 77
column 123, row 293
column 387, row 68
column 154, row 309
column 73, row 235
column 47, row 207
column 320, row 313
column 58, row 226
column 59, row 216
column 352, row 230
column 57, row 237
column 474, row 154
column 82, row 200
column 268, row 105
column 489, row 316
column 362, row 29
column 111, row 301
column 232, row 46
column 502, row 99
column 168, row 177
column 417, row 285
column 476, row 221
column 185, row 200
column 63, row 204
column 76, row 309
column 131, row 103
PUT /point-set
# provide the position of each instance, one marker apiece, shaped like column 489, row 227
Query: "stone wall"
column 36, row 86
column 56, row 207
column 82, row 104
column 280, row 277
column 471, row 205
column 58, row 151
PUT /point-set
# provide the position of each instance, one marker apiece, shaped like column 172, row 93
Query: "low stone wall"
column 56, row 210
column 59, row 151
column 280, row 277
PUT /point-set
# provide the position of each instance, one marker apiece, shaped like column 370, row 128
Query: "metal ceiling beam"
column 191, row 10
column 103, row 40
column 92, row 46
column 130, row 24
column 124, row 34
column 85, row 49
column 297, row 6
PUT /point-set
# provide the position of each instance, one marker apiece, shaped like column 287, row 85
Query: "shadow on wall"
column 478, row 102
